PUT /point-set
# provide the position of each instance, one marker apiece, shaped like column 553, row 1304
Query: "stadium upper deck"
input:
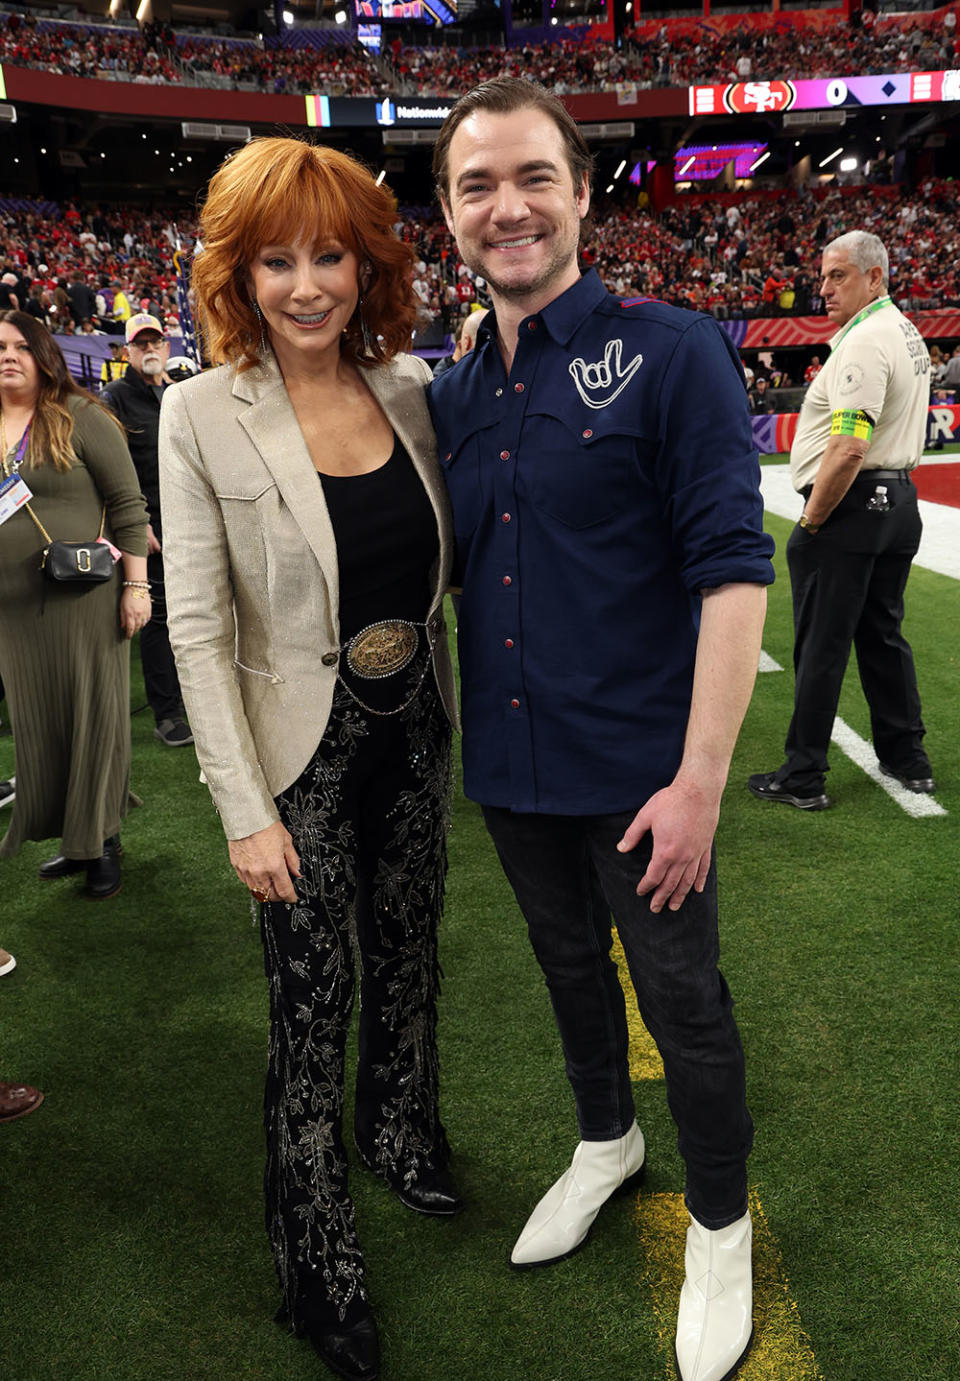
column 682, row 53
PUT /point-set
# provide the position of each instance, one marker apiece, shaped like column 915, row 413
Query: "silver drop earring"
column 263, row 328
column 365, row 332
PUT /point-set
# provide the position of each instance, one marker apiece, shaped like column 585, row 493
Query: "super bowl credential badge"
column 13, row 495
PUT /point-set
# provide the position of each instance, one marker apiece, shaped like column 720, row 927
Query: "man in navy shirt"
column 609, row 531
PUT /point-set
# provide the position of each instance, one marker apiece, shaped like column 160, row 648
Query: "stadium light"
column 288, row 16
column 830, row 157
column 848, row 165
column 381, row 175
column 762, row 159
column 610, row 188
column 689, row 164
column 623, row 164
column 629, row 8
column 341, row 16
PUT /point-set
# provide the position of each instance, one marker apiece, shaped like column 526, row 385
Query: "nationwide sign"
column 325, row 111
column 829, row 93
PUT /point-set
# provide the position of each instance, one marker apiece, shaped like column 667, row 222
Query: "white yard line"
column 861, row 752
column 939, row 546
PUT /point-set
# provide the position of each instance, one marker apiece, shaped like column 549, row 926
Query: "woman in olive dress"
column 64, row 649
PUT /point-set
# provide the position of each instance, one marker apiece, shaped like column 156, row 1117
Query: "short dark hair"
column 502, row 96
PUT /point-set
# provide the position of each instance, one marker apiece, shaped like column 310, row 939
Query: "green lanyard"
column 862, row 315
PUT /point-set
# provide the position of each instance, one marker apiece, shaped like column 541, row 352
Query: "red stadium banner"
column 774, row 433
column 767, row 333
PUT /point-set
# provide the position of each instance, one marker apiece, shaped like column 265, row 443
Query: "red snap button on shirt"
column 504, row 455
column 514, row 704
column 508, row 642
column 507, row 580
column 531, row 325
column 504, row 517
column 518, row 388
column 588, row 431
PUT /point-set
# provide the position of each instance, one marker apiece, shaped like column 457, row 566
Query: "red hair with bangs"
column 272, row 191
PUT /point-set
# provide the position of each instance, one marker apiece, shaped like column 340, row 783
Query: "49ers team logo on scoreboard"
column 825, row 93
column 756, row 98
column 743, row 98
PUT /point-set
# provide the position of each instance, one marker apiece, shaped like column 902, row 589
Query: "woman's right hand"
column 267, row 862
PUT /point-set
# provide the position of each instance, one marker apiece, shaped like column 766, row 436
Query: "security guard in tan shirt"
column 861, row 431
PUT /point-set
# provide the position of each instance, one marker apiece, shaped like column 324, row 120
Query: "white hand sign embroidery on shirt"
column 601, row 375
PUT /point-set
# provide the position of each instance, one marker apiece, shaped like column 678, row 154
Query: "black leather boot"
column 352, row 1352
column 350, row 1347
column 432, row 1192
column 61, row 867
column 103, row 876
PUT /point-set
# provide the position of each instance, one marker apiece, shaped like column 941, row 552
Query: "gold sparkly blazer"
column 251, row 573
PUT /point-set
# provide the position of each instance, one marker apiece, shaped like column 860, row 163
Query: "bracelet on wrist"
column 137, row 584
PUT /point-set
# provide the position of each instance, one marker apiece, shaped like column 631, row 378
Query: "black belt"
column 882, row 474
column 870, row 475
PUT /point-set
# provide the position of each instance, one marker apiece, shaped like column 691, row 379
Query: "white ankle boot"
column 562, row 1219
column 715, row 1322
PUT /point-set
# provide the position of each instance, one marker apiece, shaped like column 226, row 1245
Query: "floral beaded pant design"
column 368, row 818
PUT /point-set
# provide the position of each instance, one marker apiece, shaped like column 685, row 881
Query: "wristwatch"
column 806, row 524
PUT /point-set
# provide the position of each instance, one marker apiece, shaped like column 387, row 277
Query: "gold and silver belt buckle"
column 382, row 649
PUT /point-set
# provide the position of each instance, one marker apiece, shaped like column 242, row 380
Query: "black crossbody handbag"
column 75, row 563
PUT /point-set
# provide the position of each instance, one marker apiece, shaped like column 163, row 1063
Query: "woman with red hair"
column 308, row 546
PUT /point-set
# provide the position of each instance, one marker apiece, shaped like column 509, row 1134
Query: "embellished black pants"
column 368, row 818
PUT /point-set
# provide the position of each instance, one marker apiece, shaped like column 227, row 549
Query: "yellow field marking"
column 645, row 1061
column 781, row 1350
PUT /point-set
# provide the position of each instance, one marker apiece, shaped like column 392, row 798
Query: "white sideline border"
column 939, row 545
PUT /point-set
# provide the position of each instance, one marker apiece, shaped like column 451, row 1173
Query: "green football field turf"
column 133, row 1246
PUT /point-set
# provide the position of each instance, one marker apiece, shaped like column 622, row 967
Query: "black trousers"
column 568, row 877
column 160, row 678
column 848, row 584
column 368, row 817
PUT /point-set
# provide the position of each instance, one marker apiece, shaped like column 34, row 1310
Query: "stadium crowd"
column 668, row 57
column 734, row 255
column 651, row 56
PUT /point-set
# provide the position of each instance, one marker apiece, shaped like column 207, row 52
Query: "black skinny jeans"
column 568, row 877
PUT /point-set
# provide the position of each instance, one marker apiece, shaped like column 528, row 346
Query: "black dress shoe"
column 432, row 1192
column 103, row 876
column 914, row 781
column 352, row 1352
column 765, row 787
column 61, row 867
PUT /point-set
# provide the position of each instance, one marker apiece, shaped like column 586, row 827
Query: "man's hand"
column 153, row 546
column 267, row 862
column 683, row 819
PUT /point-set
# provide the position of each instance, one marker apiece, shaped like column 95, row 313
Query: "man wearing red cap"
column 136, row 401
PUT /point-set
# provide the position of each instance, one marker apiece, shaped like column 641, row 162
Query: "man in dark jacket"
column 83, row 300
column 136, row 401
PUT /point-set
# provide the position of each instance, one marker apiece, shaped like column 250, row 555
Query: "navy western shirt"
column 596, row 492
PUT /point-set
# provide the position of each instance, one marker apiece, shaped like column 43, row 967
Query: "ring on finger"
column 261, row 894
